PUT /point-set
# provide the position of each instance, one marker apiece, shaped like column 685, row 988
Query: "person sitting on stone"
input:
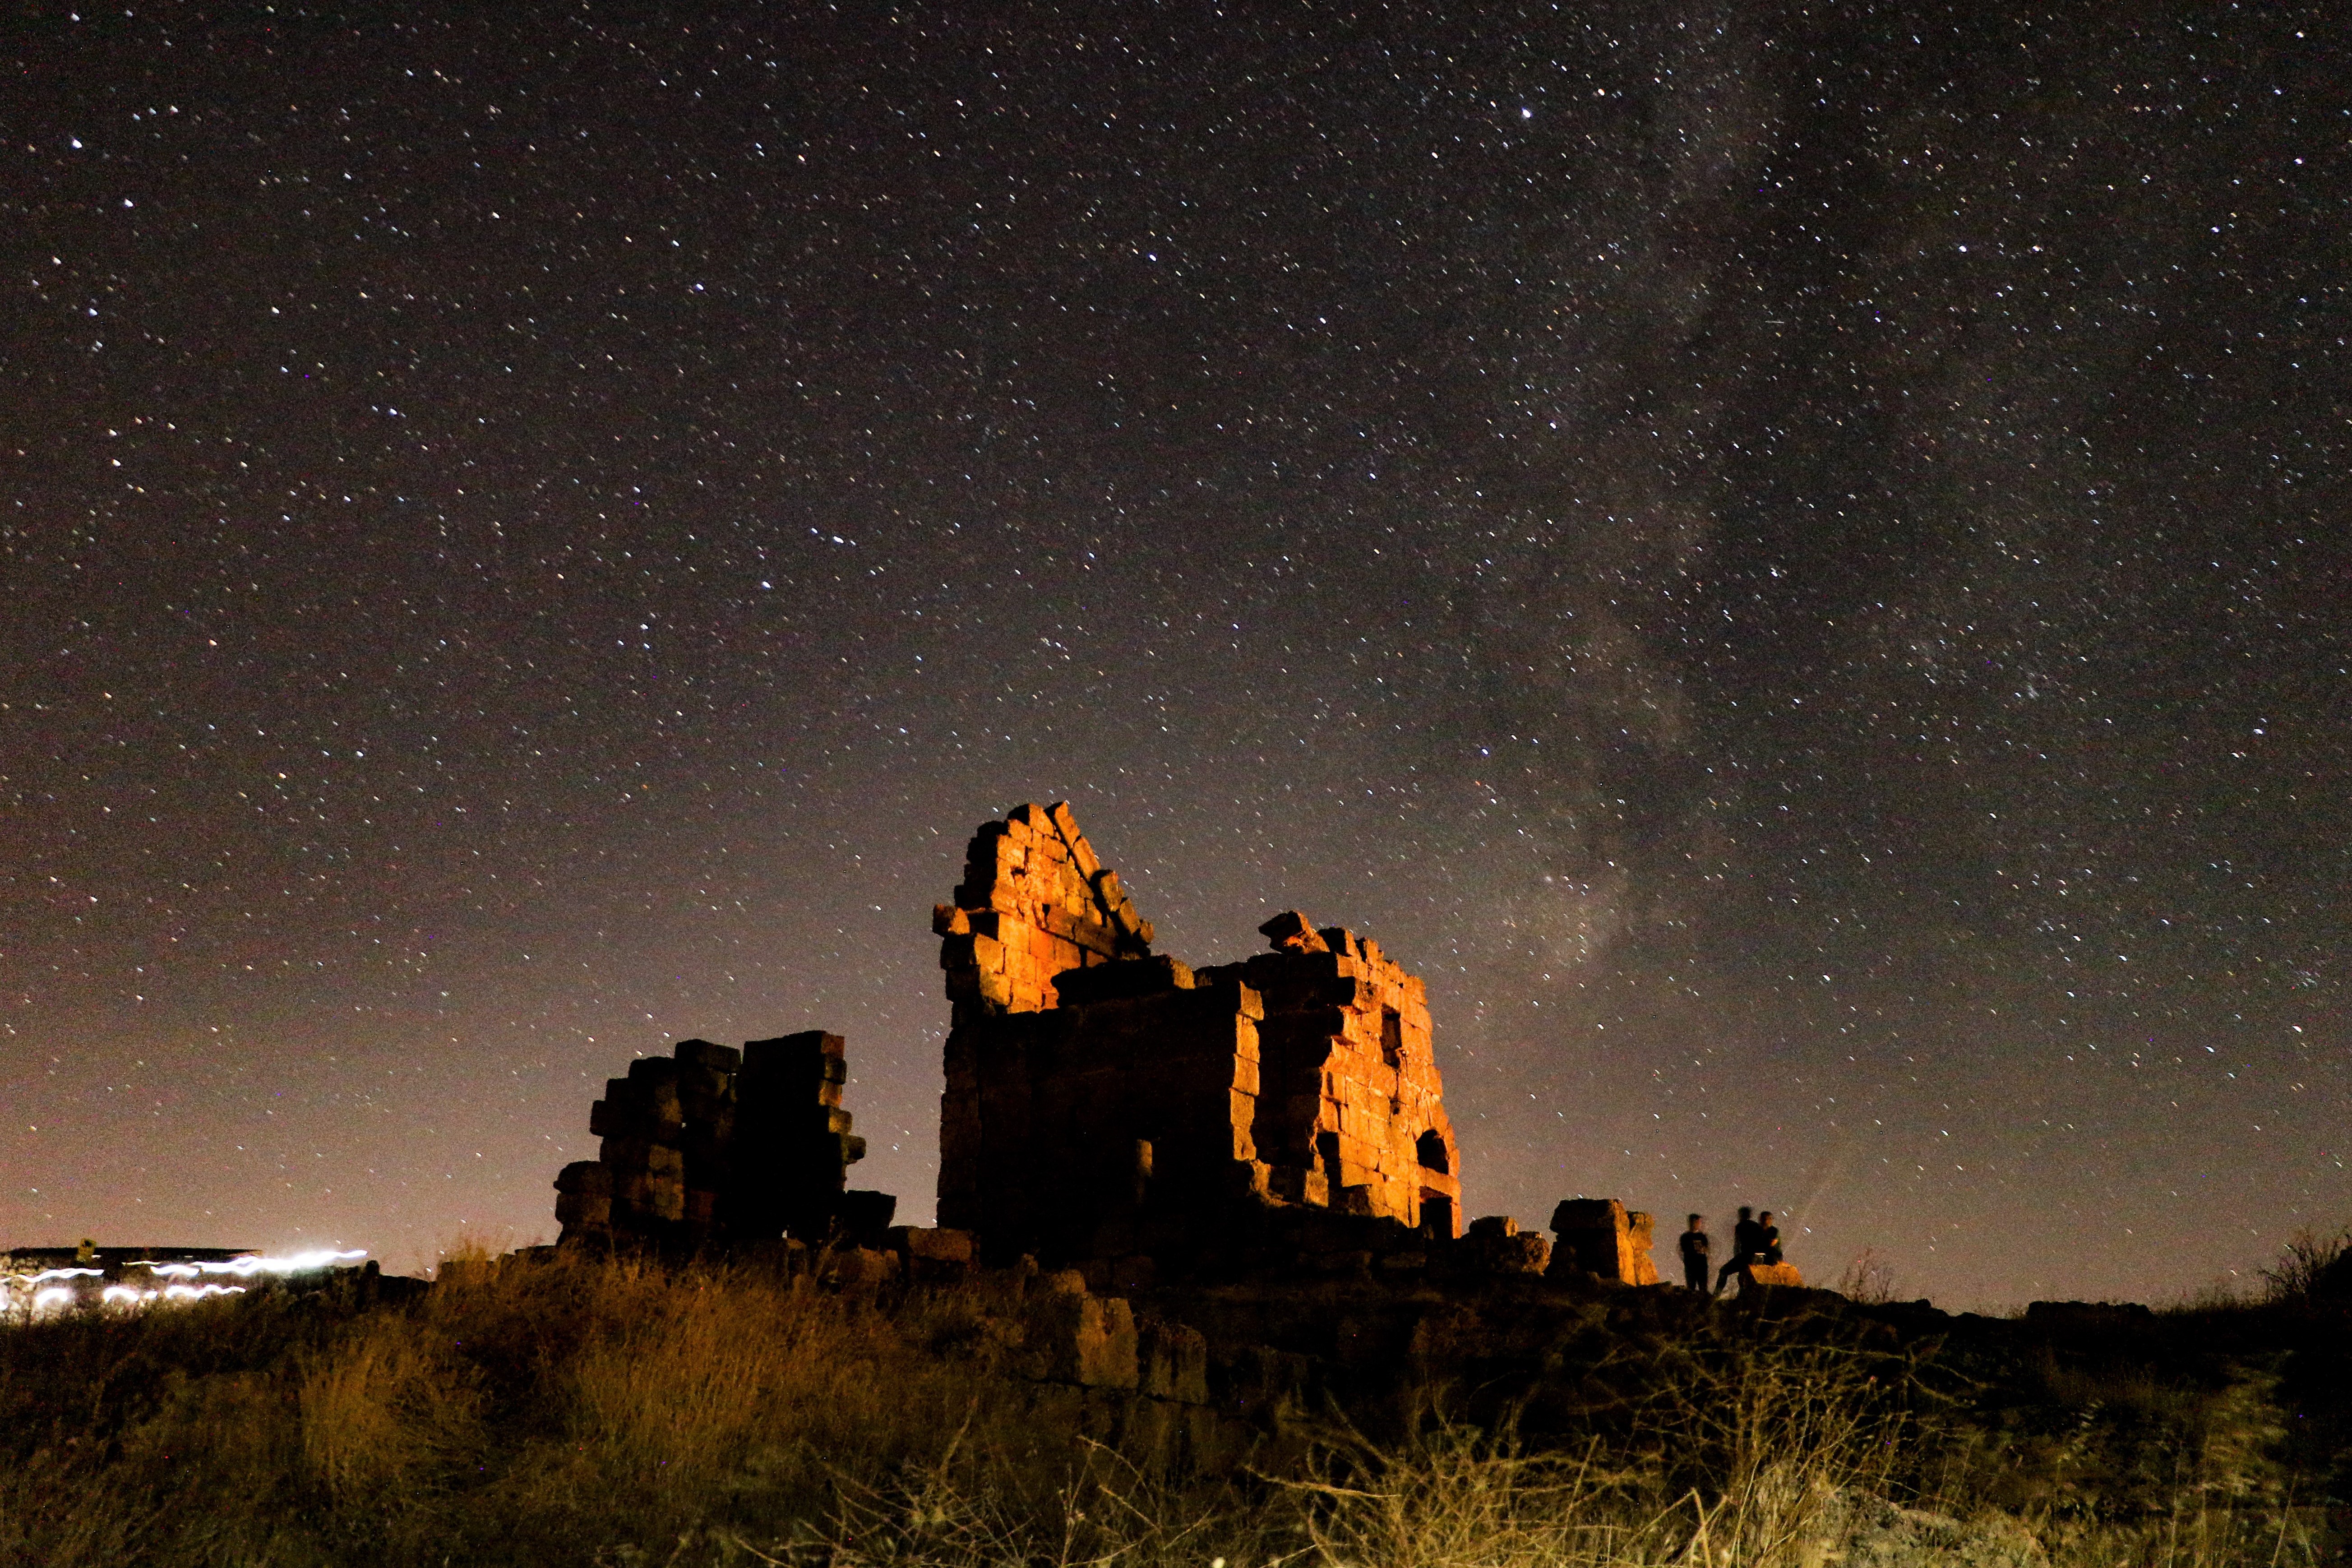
column 1767, row 1239
column 1745, row 1245
column 1696, row 1247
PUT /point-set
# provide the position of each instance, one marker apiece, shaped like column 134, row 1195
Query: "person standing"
column 1747, row 1241
column 1696, row 1247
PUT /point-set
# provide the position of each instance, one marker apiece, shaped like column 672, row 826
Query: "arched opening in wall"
column 1436, row 1213
column 1391, row 1037
column 1429, row 1149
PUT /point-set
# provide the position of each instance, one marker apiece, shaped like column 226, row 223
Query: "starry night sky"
column 1792, row 562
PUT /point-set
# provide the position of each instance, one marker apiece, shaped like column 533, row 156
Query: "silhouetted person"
column 1747, row 1241
column 1696, row 1246
column 1767, row 1239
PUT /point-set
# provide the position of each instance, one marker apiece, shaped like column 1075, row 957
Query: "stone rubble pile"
column 713, row 1144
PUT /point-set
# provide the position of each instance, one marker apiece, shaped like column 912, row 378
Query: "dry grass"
column 592, row 1412
column 535, row 1412
column 973, row 1506
column 1770, row 1457
column 387, row 1411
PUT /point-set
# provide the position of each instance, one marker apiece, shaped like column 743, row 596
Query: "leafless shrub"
column 1869, row 1278
column 2311, row 1265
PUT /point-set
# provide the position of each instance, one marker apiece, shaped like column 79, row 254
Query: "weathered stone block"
column 588, row 1177
column 1773, row 1273
column 577, row 1209
column 1521, row 1252
column 1602, row 1237
column 1640, row 1242
column 1082, row 1338
column 1260, row 1384
column 866, row 1215
column 1172, row 1361
column 858, row 1268
column 934, row 1255
column 707, row 1055
column 639, row 1108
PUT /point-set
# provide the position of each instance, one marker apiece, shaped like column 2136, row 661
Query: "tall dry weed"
column 1458, row 1497
column 677, row 1394
column 974, row 1507
column 1798, row 1431
column 387, row 1410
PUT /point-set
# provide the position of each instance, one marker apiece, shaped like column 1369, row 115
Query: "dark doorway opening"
column 1436, row 1213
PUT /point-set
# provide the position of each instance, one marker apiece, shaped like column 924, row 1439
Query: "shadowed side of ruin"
column 713, row 1144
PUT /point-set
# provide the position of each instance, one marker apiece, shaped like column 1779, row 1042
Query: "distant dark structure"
column 712, row 1144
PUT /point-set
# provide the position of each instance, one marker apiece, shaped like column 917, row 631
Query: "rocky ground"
column 842, row 1409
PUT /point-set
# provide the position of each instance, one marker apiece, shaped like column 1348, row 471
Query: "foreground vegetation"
column 589, row 1410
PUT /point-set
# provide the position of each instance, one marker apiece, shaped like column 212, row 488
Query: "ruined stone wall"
column 1350, row 1115
column 1034, row 901
column 1111, row 1126
column 1102, row 1103
column 711, row 1143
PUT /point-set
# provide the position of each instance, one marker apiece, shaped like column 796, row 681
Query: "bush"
column 2312, row 1266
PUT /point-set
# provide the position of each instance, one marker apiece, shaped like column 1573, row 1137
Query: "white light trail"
column 34, row 1282
column 54, row 1290
column 246, row 1268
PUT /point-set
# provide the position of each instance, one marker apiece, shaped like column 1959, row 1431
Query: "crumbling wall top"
column 1035, row 900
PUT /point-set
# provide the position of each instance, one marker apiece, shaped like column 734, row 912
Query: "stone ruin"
column 1107, row 1109
column 1603, row 1238
column 1104, row 1102
column 713, row 1144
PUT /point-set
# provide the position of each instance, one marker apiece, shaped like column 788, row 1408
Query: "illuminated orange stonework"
column 1104, row 1102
